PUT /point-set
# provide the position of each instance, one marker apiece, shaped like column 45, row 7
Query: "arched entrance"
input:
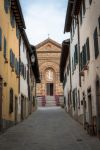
column 50, row 81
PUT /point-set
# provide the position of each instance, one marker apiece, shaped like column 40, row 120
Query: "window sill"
column 86, row 67
column 6, row 60
column 81, row 73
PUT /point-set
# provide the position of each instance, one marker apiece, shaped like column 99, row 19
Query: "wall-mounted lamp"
column 32, row 59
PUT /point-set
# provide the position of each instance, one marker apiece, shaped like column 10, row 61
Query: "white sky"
column 43, row 17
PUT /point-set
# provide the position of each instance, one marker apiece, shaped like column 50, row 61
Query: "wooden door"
column 16, row 109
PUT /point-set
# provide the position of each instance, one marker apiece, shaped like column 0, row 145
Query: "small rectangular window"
column 0, row 38
column 96, row 46
column 5, row 47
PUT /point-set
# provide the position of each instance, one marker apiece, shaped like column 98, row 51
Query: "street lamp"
column 32, row 58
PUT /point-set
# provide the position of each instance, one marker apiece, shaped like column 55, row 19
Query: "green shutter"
column 84, row 7
column 17, row 68
column 84, row 55
column 6, row 5
column 96, row 47
column 81, row 61
column 11, row 57
column 16, row 65
column 17, row 32
column 81, row 14
column 76, row 54
column 0, row 38
column 74, row 99
column 12, row 19
column 88, row 49
column 5, row 47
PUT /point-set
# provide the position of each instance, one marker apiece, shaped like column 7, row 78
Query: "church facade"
column 50, row 88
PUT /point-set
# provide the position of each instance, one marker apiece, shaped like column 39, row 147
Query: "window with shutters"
column 84, row 55
column 17, row 68
column 11, row 96
column 76, row 54
column 96, row 47
column 5, row 47
column 12, row 19
column 0, row 38
column 74, row 99
column 17, row 32
column 16, row 65
column 7, row 5
column 84, row 7
column 87, row 50
column 11, row 57
column 72, row 65
column 81, row 60
column 71, row 33
column 81, row 14
column 24, row 72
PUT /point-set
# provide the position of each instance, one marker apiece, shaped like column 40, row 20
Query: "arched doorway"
column 50, row 81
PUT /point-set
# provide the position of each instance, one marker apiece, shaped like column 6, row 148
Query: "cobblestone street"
column 48, row 129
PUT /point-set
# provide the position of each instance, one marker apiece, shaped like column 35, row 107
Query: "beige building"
column 84, row 27
column 50, row 88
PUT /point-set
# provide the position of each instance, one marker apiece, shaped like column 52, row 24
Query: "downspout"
column 70, row 78
column 19, row 62
column 78, row 33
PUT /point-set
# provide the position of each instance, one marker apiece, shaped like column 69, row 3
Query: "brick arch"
column 47, row 65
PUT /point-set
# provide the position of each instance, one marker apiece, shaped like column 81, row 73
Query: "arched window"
column 11, row 101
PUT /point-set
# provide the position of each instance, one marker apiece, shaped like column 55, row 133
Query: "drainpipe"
column 78, row 33
column 19, row 62
column 70, row 78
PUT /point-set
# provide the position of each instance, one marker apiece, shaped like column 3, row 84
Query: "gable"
column 48, row 45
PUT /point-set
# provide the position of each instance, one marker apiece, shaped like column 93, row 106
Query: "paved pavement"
column 48, row 129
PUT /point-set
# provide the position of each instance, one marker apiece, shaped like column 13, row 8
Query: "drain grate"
column 79, row 140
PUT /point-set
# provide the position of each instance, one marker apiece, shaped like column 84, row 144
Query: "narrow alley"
column 48, row 129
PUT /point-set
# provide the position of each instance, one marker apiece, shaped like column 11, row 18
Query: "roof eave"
column 64, row 56
column 17, row 10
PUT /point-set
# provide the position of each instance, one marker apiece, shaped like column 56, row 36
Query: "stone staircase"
column 47, row 101
column 50, row 101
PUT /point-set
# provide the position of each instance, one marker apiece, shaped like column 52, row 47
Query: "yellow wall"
column 5, row 68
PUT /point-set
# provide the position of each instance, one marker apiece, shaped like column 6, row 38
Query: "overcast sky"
column 43, row 17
